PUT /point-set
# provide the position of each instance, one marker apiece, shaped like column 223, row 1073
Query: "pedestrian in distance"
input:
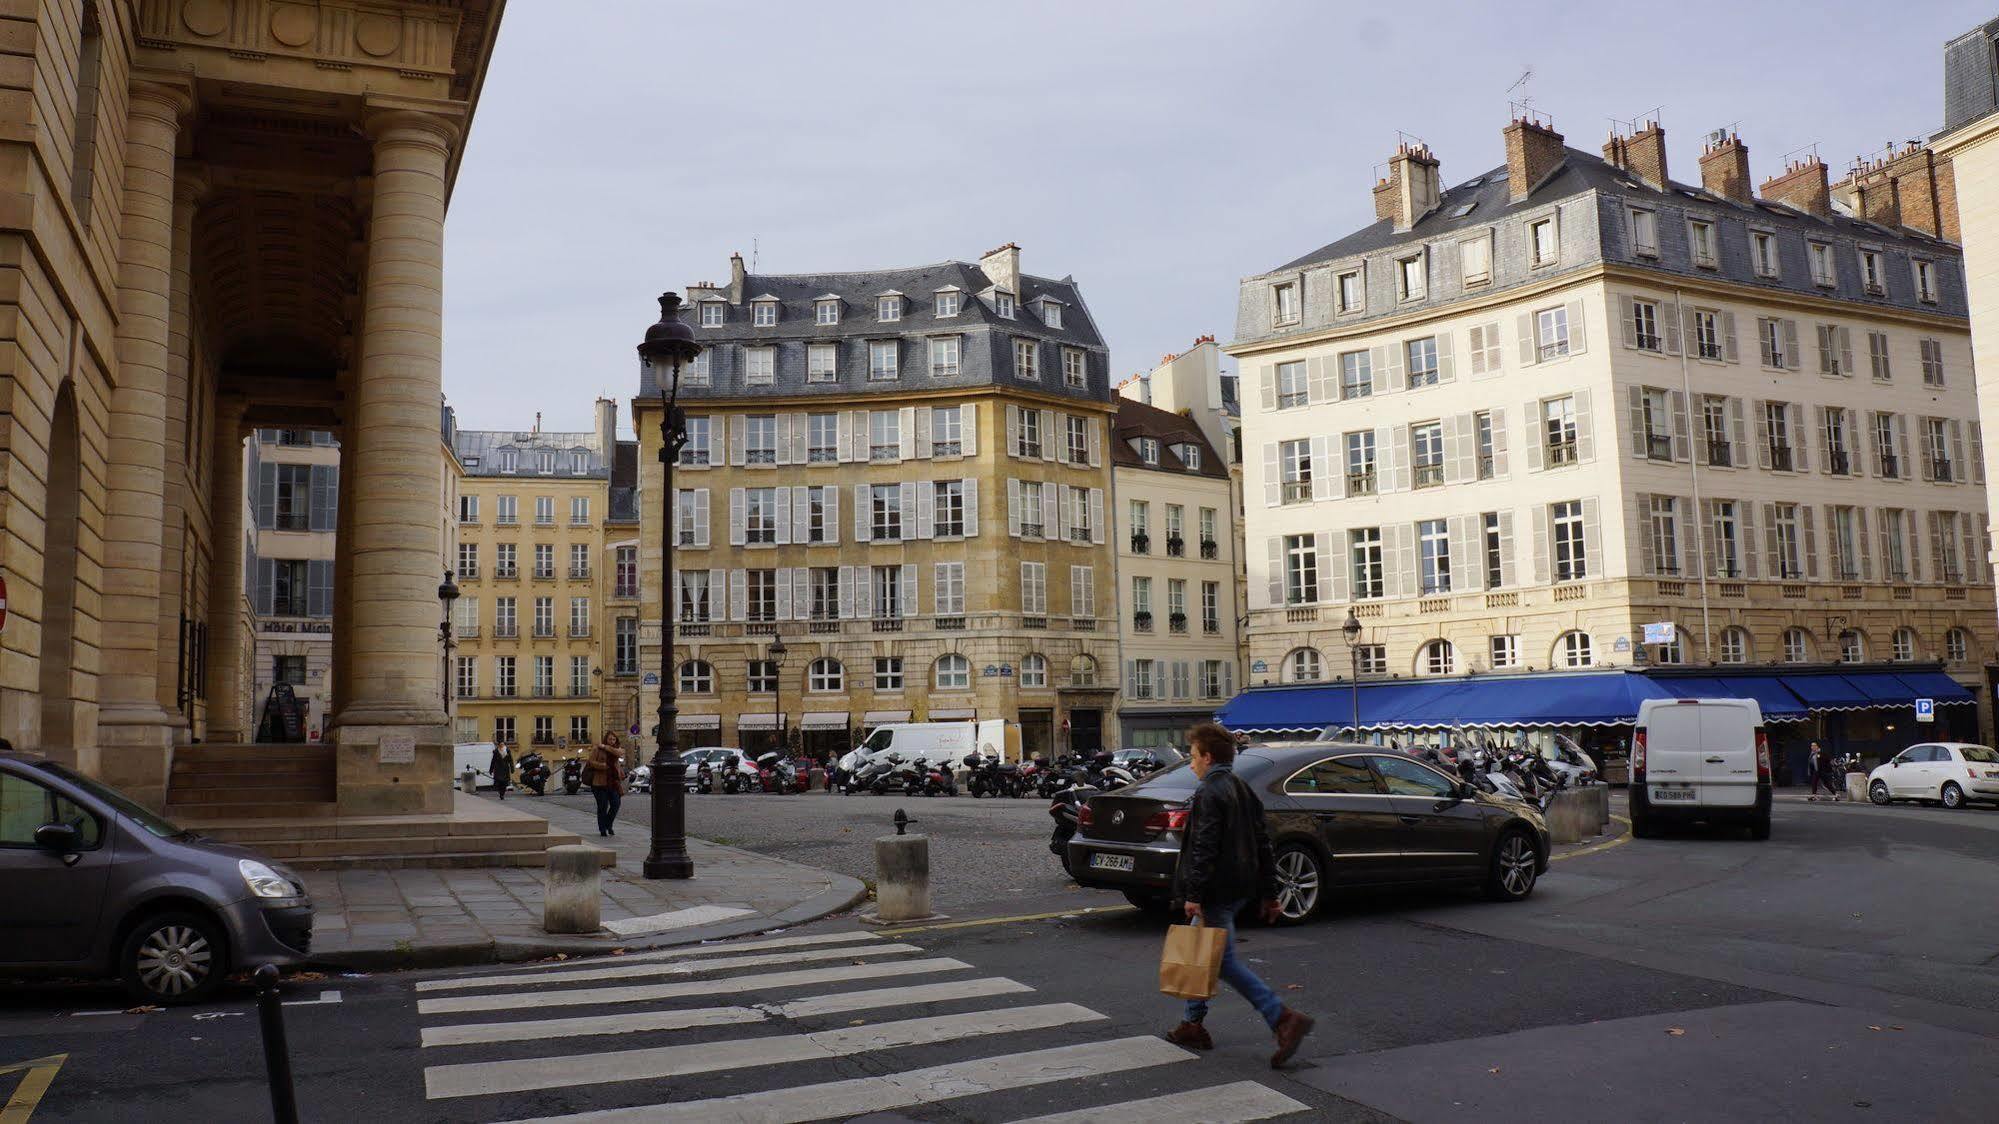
column 1226, row 862
column 605, row 774
column 1819, row 769
column 502, row 768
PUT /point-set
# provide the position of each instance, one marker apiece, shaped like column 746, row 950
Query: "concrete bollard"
column 468, row 782
column 902, row 874
column 1856, row 786
column 1572, row 816
column 573, row 900
column 1602, row 793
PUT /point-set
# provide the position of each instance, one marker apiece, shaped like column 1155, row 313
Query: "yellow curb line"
column 38, row 1074
column 1596, row 847
column 1098, row 910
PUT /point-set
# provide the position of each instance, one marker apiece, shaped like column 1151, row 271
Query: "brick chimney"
column 1868, row 193
column 1416, row 185
column 736, row 276
column 1001, row 266
column 1926, row 190
column 607, row 427
column 1803, row 185
column 1642, row 154
column 1533, row 150
column 1387, row 192
column 1725, row 168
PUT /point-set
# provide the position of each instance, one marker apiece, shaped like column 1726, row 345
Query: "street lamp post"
column 669, row 345
column 777, row 653
column 447, row 593
column 1350, row 632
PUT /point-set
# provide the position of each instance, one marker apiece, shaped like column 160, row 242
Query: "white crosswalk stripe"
column 741, row 1041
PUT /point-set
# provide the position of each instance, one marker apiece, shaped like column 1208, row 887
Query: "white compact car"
column 1950, row 773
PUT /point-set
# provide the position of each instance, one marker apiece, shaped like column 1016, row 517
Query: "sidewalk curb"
column 842, row 895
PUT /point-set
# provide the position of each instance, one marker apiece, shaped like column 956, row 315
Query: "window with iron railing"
column 1561, row 452
column 1428, row 475
column 1210, row 548
column 1780, row 458
column 1659, row 446
column 1360, row 483
column 1720, row 454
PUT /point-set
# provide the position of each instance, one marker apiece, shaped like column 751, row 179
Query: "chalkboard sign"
column 283, row 720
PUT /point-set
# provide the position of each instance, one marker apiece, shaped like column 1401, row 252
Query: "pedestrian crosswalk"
column 729, row 1032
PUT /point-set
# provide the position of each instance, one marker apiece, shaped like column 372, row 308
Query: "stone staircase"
column 279, row 801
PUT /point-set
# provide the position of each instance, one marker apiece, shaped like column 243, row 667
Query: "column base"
column 135, row 749
column 366, row 785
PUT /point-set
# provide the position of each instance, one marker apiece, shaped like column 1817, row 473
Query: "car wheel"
column 174, row 958
column 1515, row 867
column 1300, row 879
column 1149, row 903
column 1953, row 796
column 1878, row 792
column 1759, row 828
column 1641, row 823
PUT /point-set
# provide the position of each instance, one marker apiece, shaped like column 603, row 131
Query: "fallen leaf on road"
column 307, row 977
column 1872, row 1027
column 857, row 1022
column 617, row 952
column 1494, row 1069
column 1894, row 1028
column 1294, row 987
column 143, row 1010
column 1677, row 1032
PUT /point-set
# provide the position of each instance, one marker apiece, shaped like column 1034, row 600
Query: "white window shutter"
column 1273, row 476
column 701, row 517
column 1061, row 439
column 971, row 484
column 832, row 513
column 1635, row 397
column 673, row 595
column 718, row 592
column 1846, row 351
column 844, row 424
column 1459, row 430
column 1738, row 433
column 1638, row 534
column 1066, row 515
column 737, row 502
column 1959, row 472
column 1012, row 430
column 905, row 433
column 908, row 576
column 801, row 593
column 738, row 595
column 926, row 508
column 801, row 514
column 1398, row 458
column 923, row 414
column 1536, row 437
column 782, row 514
column 1096, row 430
column 782, row 453
column 1592, row 537
column 1463, row 552
column 847, row 599
column 1050, row 496
column 1319, row 383
column 1267, row 375
column 1322, row 467
column 1096, row 515
column 1446, row 363
column 1392, row 373
column 1524, row 329
column 1334, row 565
column 784, row 594
column 968, row 428
column 1322, row 549
column 1669, row 324
column 908, row 503
column 1585, row 428
column 1792, row 360
column 1630, row 318
column 1050, row 440
column 1275, row 589
column 1728, row 337
column 738, row 434
column 1499, row 443
column 1541, row 570
column 1578, row 329
column 1013, row 508
column 1507, row 574
column 863, row 514
column 1682, row 439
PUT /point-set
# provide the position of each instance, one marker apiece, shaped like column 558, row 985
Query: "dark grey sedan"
column 1339, row 816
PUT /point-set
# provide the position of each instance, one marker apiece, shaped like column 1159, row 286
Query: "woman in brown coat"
column 604, row 772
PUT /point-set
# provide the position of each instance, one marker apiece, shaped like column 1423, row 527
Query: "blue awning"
column 1829, row 692
column 1776, row 701
column 1936, row 685
column 1866, row 690
column 1553, row 699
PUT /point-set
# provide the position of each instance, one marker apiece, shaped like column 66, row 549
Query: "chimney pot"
column 1533, row 150
column 1413, row 189
column 1725, row 169
column 1642, row 155
column 1803, row 185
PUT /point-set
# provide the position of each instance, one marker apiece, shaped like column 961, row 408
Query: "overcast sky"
column 1157, row 150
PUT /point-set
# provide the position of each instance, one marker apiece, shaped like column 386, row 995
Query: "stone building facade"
column 1513, row 423
column 223, row 217
column 1178, row 551
column 903, row 473
column 532, row 611
column 294, row 477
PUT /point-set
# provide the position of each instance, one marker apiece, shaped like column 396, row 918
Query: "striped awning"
column 877, row 717
column 697, row 722
column 952, row 715
column 824, row 720
column 764, row 721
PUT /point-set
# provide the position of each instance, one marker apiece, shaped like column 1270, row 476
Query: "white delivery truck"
column 946, row 743
column 1700, row 759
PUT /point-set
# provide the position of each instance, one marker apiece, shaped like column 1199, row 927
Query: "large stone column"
column 392, row 691
column 229, row 705
column 134, row 731
column 190, row 184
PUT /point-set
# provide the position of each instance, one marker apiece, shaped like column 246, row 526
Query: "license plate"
column 1110, row 862
column 1668, row 795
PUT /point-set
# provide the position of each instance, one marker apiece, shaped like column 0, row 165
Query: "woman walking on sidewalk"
column 1225, row 862
column 605, row 774
column 1819, row 770
column 502, row 768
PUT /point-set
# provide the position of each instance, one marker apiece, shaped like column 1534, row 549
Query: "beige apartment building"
column 1572, row 414
column 903, row 474
column 532, row 512
column 1178, row 552
column 294, row 476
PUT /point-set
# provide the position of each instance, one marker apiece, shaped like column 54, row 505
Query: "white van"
column 1700, row 759
column 945, row 743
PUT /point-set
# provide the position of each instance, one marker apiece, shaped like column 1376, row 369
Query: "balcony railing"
column 506, row 631
column 1780, row 458
column 505, row 693
column 1561, row 453
column 506, row 572
column 1141, row 543
column 1142, row 622
column 579, row 573
column 1427, row 475
column 1839, row 463
column 888, row 624
column 1486, row 467
column 1211, row 626
column 1658, row 446
column 1891, row 466
column 1360, row 483
column 579, row 631
column 466, row 631
column 1297, row 491
column 1177, row 622
column 544, row 691
column 950, row 624
column 1032, row 530
column 1079, row 534
column 1720, row 454
column 1210, row 549
column 1036, row 622
column 544, row 573
column 1175, row 546
column 625, row 589
column 468, row 573
column 544, row 632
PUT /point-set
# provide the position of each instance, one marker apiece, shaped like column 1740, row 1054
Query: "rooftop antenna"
column 1812, row 148
column 754, row 253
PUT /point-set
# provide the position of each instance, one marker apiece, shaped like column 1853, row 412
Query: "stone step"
column 252, row 754
column 534, row 859
column 306, row 850
column 288, row 793
column 257, row 831
column 204, row 783
column 250, row 768
column 199, row 815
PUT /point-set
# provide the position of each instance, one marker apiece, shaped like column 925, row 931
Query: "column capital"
column 164, row 97
column 191, row 182
column 397, row 120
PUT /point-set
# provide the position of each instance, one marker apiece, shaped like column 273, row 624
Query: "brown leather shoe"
column 1194, row 1036
column 1291, row 1029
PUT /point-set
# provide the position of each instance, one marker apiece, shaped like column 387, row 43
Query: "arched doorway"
column 59, row 579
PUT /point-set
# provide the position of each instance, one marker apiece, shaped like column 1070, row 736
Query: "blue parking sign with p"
column 1926, row 710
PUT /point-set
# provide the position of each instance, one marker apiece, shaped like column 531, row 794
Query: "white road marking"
column 899, row 1090
column 1236, row 1103
column 520, row 1075
column 675, row 919
column 619, row 970
column 591, row 1025
column 324, row 997
column 639, row 993
column 724, row 947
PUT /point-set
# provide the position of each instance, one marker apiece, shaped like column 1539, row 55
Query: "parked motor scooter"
column 734, row 780
column 937, row 780
column 989, row 777
column 639, row 779
column 533, row 774
column 572, row 774
column 1066, row 805
column 871, row 777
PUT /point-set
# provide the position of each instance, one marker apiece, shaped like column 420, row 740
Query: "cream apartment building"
column 294, row 476
column 904, row 474
column 1513, row 423
column 1177, row 554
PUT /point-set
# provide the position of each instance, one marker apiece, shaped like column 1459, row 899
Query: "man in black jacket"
column 1225, row 860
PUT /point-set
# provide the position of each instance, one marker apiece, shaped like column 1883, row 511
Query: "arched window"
column 1957, row 645
column 1905, row 644
column 1735, row 645
column 954, row 672
column 697, row 677
column 1034, row 671
column 825, row 675
column 1302, row 666
column 1083, row 672
column 1437, row 658
column 1852, row 646
column 1572, row 649
column 1797, row 645
column 1674, row 653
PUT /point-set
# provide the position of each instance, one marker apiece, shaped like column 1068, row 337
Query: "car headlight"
column 263, row 881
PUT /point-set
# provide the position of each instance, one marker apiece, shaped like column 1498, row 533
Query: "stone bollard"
column 1572, row 816
column 1856, row 787
column 1602, row 792
column 572, row 902
column 469, row 782
column 902, row 874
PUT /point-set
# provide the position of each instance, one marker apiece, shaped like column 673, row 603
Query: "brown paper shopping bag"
column 1191, row 962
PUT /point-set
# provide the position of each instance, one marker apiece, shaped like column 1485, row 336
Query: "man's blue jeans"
column 1237, row 973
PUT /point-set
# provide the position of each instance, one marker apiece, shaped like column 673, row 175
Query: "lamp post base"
column 669, row 866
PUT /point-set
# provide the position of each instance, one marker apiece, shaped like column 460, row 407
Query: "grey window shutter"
column 1745, row 514
column 922, row 428
column 1846, row 351
column 1592, row 537
column 1669, row 326
column 844, row 427
column 1268, row 375
column 1507, row 575
column 1096, row 515
column 1630, row 318
column 738, row 517
column 1775, row 558
column 848, row 602
column 801, row 593
column 1636, row 398
column 863, row 514
column 267, row 496
column 1792, row 360
column 1542, row 573
column 1446, row 364
column 832, row 517
column 1323, row 472
column 267, row 580
column 1800, row 439
column 1861, row 544
column 739, row 427
column 1499, row 442
column 1398, row 456
column 1705, row 537
column 1013, row 511
column 968, row 428
column 1763, row 342
column 325, row 497
column 1976, row 461
column 1275, row 586
column 1322, row 550
column 1320, row 384
column 1737, row 434
column 1811, row 539
column 1825, row 444
column 1273, row 476
column 1524, row 324
column 909, row 592
column 1332, row 550
column 800, row 523
column 1050, row 439
column 908, row 500
column 782, row 513
column 1585, row 428
column 1958, row 471
column 1762, row 432
column 1051, row 494
column 1393, row 374
column 1639, row 534
column 1578, row 329
column 971, row 507
column 1901, row 426
column 319, row 588
column 1458, row 433
column 1537, row 437
column 926, row 509
column 1728, row 336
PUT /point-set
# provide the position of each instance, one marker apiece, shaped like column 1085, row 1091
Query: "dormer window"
column 1871, row 275
column 826, row 311
column 1003, row 304
column 1051, row 314
column 510, row 460
column 579, row 463
column 1763, row 248
column 763, row 313
column 1926, row 281
column 1284, row 303
column 947, row 303
column 545, row 462
column 888, row 307
column 1148, row 450
column 1190, row 455
column 712, row 313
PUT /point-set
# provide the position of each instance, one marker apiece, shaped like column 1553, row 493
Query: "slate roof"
column 1971, row 76
column 986, row 350
column 1135, row 419
column 479, row 450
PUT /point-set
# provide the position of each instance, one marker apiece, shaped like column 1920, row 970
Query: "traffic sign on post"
column 1926, row 710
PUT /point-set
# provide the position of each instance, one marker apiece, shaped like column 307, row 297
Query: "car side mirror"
column 1897, row 763
column 61, row 838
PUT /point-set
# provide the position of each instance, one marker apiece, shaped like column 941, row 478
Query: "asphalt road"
column 1843, row 970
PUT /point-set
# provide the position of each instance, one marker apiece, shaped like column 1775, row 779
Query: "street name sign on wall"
column 1926, row 710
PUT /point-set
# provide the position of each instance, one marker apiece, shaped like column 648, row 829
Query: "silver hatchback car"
column 92, row 883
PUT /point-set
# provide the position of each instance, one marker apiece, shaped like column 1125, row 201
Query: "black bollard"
column 277, row 1058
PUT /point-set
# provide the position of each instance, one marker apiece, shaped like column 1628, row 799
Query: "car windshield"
column 1980, row 753
column 878, row 741
column 124, row 805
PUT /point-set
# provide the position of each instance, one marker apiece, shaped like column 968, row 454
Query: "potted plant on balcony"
column 1142, row 621
column 1209, row 548
column 1178, row 622
column 1175, row 545
column 1140, row 542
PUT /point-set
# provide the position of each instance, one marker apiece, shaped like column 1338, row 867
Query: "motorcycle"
column 1064, row 809
column 734, row 780
column 870, row 776
column 937, row 780
column 779, row 774
column 704, row 777
column 905, row 776
column 989, row 777
column 1028, row 778
column 533, row 774
column 572, row 775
